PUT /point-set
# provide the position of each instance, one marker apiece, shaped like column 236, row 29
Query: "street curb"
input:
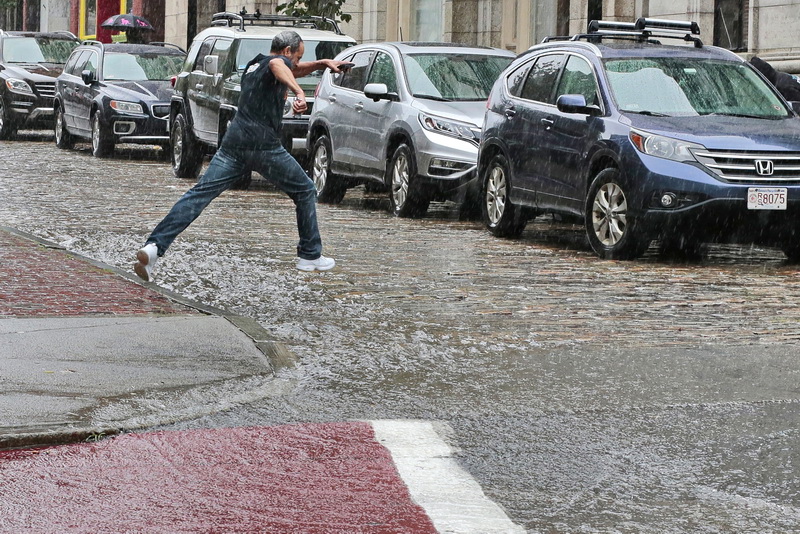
column 277, row 355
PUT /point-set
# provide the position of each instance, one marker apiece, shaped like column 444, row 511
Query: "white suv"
column 207, row 90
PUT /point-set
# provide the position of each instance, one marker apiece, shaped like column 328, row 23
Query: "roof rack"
column 643, row 30
column 166, row 45
column 229, row 19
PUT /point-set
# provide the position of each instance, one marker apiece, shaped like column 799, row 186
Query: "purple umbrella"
column 126, row 22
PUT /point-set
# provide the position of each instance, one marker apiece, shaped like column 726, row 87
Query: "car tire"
column 64, row 139
column 186, row 152
column 102, row 140
column 613, row 233
column 7, row 127
column 406, row 198
column 501, row 217
column 330, row 189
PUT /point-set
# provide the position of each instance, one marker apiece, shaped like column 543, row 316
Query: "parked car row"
column 640, row 140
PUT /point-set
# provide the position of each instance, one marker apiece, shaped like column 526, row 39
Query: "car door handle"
column 332, row 99
column 548, row 123
column 509, row 112
column 198, row 86
column 359, row 106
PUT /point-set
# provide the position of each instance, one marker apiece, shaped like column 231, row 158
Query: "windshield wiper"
column 744, row 115
column 432, row 97
column 645, row 112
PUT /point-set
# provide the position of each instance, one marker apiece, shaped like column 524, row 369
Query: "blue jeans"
column 227, row 166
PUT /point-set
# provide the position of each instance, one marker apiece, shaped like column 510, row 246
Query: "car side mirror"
column 211, row 65
column 88, row 77
column 575, row 104
column 379, row 91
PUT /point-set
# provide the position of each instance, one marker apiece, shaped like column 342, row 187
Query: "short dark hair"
column 286, row 38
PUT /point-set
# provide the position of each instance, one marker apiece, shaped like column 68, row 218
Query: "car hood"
column 36, row 72
column 149, row 90
column 471, row 111
column 725, row 133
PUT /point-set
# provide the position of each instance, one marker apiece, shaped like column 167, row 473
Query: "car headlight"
column 16, row 85
column 663, row 147
column 463, row 130
column 126, row 107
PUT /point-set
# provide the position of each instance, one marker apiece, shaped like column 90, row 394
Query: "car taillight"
column 173, row 80
column 316, row 91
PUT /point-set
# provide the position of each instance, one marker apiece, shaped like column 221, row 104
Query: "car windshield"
column 453, row 76
column 37, row 50
column 691, row 87
column 135, row 67
column 314, row 50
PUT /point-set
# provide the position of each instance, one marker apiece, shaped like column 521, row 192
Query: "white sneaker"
column 320, row 264
column 147, row 257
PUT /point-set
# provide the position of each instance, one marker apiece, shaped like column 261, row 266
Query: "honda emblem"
column 765, row 167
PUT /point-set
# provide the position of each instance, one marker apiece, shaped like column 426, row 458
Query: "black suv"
column 207, row 91
column 29, row 65
column 116, row 93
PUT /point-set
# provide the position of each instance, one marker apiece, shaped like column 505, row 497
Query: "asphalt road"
column 584, row 395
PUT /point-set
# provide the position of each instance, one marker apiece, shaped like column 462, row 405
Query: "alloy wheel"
column 400, row 181
column 177, row 143
column 609, row 214
column 319, row 173
column 496, row 193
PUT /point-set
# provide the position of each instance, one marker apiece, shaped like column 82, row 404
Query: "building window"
column 729, row 24
column 426, row 20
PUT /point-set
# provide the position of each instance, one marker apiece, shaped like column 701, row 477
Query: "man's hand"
column 337, row 66
column 299, row 105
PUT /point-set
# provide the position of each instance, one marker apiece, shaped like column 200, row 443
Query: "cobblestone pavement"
column 585, row 395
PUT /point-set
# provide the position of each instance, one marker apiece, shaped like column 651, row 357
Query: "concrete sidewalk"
column 89, row 350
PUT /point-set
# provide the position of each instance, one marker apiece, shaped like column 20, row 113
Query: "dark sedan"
column 116, row 93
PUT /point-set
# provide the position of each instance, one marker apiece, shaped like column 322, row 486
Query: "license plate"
column 766, row 198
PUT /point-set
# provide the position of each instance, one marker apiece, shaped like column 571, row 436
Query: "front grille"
column 47, row 89
column 752, row 167
column 160, row 111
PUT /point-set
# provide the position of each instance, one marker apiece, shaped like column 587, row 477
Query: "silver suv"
column 207, row 90
column 406, row 116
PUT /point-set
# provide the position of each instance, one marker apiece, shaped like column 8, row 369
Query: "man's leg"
column 226, row 167
column 278, row 166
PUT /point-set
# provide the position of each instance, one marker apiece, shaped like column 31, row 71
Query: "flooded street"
column 584, row 395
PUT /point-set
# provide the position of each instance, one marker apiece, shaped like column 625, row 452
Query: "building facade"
column 767, row 28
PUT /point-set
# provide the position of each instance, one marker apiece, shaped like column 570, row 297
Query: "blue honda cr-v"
column 683, row 143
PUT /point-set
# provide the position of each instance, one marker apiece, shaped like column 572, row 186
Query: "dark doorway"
column 595, row 11
column 729, row 24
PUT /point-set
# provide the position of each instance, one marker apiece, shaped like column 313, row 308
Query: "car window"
column 578, row 79
column 144, row 66
column 678, row 86
column 69, row 68
column 383, row 72
column 37, row 50
column 80, row 64
column 460, row 77
column 205, row 49
column 92, row 61
column 221, row 49
column 355, row 78
column 516, row 79
column 540, row 84
column 250, row 48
